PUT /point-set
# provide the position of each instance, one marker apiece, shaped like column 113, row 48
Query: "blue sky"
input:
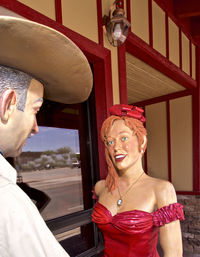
column 53, row 138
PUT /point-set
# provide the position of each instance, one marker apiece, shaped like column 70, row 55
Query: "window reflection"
column 67, row 234
column 50, row 163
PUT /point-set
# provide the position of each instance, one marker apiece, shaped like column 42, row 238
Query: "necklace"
column 120, row 201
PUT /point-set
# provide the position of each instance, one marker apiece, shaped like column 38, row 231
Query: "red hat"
column 127, row 110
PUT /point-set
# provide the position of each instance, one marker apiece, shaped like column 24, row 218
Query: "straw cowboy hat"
column 48, row 56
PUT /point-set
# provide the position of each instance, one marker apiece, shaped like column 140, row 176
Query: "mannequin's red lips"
column 119, row 157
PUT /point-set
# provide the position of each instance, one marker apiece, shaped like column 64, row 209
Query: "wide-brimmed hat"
column 48, row 56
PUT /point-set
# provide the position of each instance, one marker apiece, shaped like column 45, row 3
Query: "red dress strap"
column 168, row 214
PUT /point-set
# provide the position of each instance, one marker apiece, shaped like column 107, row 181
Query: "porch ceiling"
column 144, row 82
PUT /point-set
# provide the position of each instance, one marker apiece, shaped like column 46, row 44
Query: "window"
column 50, row 162
column 59, row 166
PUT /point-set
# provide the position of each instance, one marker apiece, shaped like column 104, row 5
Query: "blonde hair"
column 135, row 125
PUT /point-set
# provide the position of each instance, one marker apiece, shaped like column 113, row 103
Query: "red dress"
column 133, row 233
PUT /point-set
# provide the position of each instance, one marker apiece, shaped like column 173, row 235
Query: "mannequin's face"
column 123, row 146
column 22, row 124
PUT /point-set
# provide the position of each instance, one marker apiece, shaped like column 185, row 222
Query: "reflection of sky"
column 52, row 139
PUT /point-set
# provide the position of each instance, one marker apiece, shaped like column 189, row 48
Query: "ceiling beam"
column 163, row 98
column 185, row 8
column 195, row 27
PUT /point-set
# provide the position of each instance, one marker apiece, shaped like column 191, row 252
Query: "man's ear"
column 7, row 102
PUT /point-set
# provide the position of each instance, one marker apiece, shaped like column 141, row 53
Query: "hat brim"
column 48, row 56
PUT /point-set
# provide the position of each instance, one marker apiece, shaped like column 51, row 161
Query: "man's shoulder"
column 13, row 200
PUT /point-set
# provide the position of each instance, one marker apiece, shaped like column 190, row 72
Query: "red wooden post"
column 196, row 126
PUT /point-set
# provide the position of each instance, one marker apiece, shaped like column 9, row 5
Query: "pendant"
column 119, row 202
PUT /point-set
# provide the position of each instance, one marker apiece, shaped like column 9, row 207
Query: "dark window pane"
column 81, row 242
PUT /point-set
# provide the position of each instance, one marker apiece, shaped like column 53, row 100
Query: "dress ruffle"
column 136, row 219
column 101, row 215
column 168, row 214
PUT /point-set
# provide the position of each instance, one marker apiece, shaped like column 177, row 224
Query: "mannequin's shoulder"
column 164, row 187
column 164, row 192
column 159, row 184
column 99, row 187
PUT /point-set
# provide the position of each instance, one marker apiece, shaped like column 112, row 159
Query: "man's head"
column 20, row 100
column 16, row 80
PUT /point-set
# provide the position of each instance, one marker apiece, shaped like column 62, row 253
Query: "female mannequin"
column 133, row 207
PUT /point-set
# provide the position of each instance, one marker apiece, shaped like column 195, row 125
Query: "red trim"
column 93, row 51
column 195, row 28
column 128, row 10
column 103, row 99
column 167, row 35
column 161, row 4
column 58, row 8
column 169, row 142
column 104, row 96
column 122, row 69
column 184, row 24
column 184, row 10
column 180, row 49
column 150, row 23
column 98, row 56
column 141, row 50
column 122, row 74
column 196, row 140
column 196, row 127
column 145, row 154
column 100, row 22
column 121, row 4
column 190, row 53
column 163, row 98
column 146, row 162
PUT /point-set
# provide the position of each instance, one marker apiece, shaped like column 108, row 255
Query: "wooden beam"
column 169, row 154
column 185, row 8
column 163, row 98
column 196, row 127
column 141, row 50
column 58, row 9
column 100, row 21
column 195, row 27
column 122, row 74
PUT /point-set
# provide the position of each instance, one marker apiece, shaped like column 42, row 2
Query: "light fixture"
column 116, row 26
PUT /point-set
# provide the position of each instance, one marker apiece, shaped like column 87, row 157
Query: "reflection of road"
column 62, row 185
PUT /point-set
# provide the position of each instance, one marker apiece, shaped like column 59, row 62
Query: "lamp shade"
column 117, row 28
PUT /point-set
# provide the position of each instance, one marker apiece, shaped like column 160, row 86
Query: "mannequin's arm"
column 170, row 234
